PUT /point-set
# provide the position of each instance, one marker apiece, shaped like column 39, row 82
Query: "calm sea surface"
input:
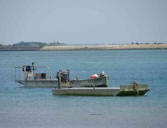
column 37, row 108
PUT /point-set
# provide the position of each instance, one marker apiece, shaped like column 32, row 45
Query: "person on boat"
column 58, row 74
column 33, row 67
column 63, row 75
column 68, row 75
column 135, row 84
column 29, row 71
column 101, row 74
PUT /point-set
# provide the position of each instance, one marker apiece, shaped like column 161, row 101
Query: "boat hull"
column 130, row 90
column 102, row 91
column 47, row 83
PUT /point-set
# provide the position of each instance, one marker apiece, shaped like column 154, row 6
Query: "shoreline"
column 88, row 47
column 104, row 47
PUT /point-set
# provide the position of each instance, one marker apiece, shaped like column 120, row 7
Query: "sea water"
column 22, row 107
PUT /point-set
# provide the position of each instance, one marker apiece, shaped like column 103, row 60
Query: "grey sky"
column 83, row 21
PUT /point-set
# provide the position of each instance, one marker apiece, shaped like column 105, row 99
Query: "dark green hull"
column 133, row 93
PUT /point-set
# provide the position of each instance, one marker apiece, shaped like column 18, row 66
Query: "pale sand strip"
column 105, row 47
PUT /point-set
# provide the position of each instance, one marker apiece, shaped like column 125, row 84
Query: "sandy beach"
column 105, row 47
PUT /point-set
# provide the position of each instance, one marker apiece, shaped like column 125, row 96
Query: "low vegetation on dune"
column 28, row 46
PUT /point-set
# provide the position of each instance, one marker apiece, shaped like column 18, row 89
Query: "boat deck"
column 92, row 88
column 100, row 91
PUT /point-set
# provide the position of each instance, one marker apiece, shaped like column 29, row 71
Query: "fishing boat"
column 96, row 85
column 34, row 76
column 134, row 89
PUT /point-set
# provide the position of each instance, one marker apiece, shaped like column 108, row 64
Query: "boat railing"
column 19, row 74
column 132, row 87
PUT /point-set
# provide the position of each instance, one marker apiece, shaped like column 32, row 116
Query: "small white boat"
column 29, row 76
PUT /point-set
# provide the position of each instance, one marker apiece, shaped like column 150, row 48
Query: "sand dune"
column 106, row 47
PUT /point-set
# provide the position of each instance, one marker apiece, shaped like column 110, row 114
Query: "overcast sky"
column 83, row 21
